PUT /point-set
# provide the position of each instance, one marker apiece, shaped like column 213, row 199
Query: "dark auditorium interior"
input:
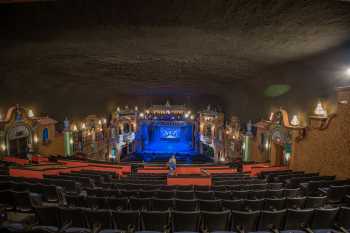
column 174, row 116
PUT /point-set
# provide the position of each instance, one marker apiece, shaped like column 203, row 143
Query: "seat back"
column 185, row 194
column 162, row 204
column 97, row 202
column 273, row 219
column 315, row 202
column 296, row 219
column 324, row 218
column 124, row 220
column 100, row 217
column 210, row 205
column 233, row 204
column 164, row 194
column 274, row 204
column 139, row 203
column 74, row 216
column 48, row 215
column 155, row 220
column 343, row 218
column 205, row 195
column 224, row 195
column 245, row 220
column 216, row 221
column 185, row 221
column 253, row 205
column 185, row 205
column 117, row 203
column 295, row 202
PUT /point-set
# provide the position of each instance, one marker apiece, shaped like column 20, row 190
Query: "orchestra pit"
column 169, row 116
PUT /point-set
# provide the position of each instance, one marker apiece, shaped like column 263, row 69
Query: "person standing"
column 172, row 165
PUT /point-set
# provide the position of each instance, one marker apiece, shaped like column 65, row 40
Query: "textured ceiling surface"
column 77, row 57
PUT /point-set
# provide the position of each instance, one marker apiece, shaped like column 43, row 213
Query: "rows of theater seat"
column 62, row 219
column 102, row 192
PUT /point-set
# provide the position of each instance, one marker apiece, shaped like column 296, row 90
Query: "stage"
column 161, row 139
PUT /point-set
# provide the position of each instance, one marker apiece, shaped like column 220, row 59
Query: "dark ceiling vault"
column 74, row 57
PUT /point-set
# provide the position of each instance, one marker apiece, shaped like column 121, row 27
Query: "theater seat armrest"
column 239, row 228
column 131, row 228
column 308, row 230
column 340, row 228
column 96, row 228
column 166, row 228
column 65, row 226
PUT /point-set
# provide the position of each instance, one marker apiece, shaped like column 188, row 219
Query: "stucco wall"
column 327, row 151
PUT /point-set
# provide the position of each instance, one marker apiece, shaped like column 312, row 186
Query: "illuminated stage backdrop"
column 163, row 139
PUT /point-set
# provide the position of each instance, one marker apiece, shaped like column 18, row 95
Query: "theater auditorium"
column 173, row 116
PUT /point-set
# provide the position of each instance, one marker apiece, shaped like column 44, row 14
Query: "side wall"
column 327, row 151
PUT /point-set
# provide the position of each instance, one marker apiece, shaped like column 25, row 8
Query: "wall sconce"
column 30, row 113
column 142, row 114
column 192, row 117
column 71, row 141
column 320, row 111
column 104, row 120
column 295, row 121
column 83, row 126
column 99, row 122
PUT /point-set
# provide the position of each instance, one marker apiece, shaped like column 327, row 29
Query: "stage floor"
column 164, row 148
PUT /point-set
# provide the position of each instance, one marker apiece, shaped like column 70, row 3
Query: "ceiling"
column 72, row 58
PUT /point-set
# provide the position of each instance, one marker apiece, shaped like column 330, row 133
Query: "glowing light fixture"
column 186, row 115
column 192, row 117
column 83, row 126
column 104, row 120
column 71, row 141
column 267, row 145
column 74, row 128
column 271, row 116
column 36, row 139
column 3, row 147
column 319, row 110
column 99, row 122
column 295, row 121
column 347, row 71
column 136, row 108
column 118, row 109
column 30, row 113
column 142, row 114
